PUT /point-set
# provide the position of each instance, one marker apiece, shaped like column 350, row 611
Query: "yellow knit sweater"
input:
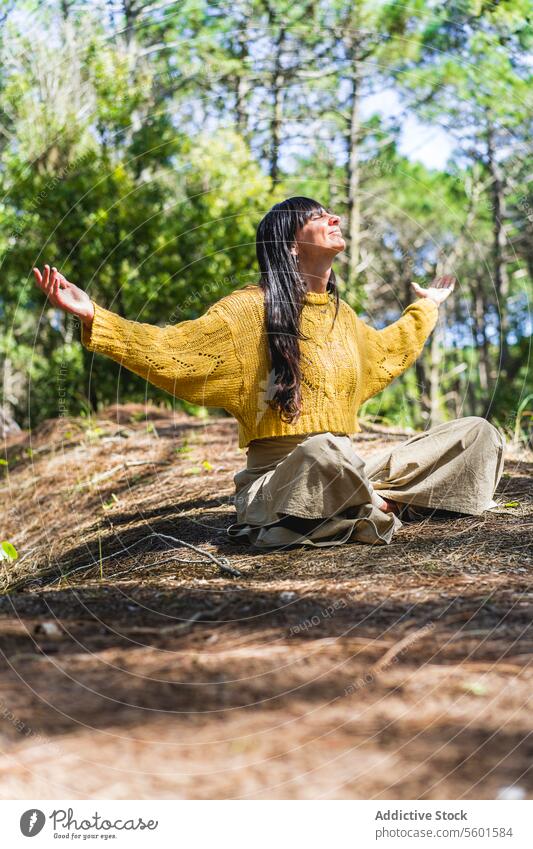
column 221, row 359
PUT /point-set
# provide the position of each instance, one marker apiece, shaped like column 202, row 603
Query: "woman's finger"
column 38, row 276
column 46, row 277
column 52, row 281
column 421, row 292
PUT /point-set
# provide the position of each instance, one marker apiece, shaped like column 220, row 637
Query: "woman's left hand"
column 440, row 289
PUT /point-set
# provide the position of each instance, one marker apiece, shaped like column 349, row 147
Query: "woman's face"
column 321, row 235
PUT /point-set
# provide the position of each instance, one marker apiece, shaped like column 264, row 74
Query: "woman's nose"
column 335, row 219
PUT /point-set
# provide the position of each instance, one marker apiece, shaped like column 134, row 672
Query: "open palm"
column 440, row 289
column 63, row 294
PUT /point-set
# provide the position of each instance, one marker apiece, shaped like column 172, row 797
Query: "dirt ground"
column 137, row 667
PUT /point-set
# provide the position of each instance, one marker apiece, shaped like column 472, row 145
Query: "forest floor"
column 136, row 667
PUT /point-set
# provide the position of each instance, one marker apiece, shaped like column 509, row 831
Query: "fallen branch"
column 120, row 467
column 400, row 646
column 222, row 562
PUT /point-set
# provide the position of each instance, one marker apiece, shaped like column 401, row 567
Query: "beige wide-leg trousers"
column 315, row 490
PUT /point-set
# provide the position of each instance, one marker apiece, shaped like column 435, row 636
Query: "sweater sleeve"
column 194, row 360
column 389, row 352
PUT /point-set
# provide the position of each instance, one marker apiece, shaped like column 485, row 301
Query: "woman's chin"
column 332, row 248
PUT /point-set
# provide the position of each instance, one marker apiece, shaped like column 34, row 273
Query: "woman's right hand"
column 65, row 295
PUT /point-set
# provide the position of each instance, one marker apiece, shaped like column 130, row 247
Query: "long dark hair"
column 285, row 290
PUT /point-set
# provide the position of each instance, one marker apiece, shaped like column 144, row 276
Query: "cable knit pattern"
column 221, row 359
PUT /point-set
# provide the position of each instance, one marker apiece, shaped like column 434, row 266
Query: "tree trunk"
column 8, row 425
column 241, row 87
column 435, row 358
column 277, row 107
column 501, row 276
column 65, row 9
column 423, row 408
column 131, row 12
column 482, row 347
column 10, row 383
column 353, row 178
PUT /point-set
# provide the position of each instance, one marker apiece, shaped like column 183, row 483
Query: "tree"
column 473, row 75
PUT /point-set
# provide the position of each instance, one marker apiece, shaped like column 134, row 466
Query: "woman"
column 293, row 363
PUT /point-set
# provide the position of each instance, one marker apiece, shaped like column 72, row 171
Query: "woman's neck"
column 316, row 273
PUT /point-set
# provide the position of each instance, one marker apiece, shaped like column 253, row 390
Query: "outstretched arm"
column 194, row 359
column 65, row 295
column 389, row 352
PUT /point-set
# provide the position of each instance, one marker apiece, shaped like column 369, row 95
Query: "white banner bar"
column 268, row 824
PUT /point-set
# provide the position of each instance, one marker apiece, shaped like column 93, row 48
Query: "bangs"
column 299, row 208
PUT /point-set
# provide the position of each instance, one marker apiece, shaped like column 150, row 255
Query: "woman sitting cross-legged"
column 292, row 362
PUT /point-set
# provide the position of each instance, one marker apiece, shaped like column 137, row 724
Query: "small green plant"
column 107, row 505
column 195, row 410
column 8, row 551
column 86, row 411
column 475, row 688
column 185, row 448
column 94, row 433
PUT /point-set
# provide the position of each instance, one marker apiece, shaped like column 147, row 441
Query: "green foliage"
column 136, row 149
column 397, row 405
column 153, row 223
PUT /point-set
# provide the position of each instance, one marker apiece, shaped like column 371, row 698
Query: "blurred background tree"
column 142, row 142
